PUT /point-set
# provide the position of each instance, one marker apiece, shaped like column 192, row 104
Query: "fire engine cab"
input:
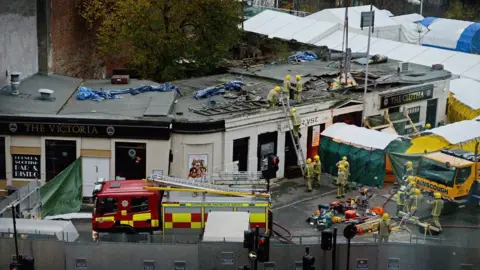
column 172, row 205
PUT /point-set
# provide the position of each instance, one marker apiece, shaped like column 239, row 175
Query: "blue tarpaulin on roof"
column 469, row 41
column 85, row 93
column 427, row 21
column 305, row 56
column 218, row 90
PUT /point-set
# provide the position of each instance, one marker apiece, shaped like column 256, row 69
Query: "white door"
column 92, row 170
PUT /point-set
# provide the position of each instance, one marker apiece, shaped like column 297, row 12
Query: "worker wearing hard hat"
column 287, row 90
column 317, row 168
column 414, row 201
column 341, row 181
column 408, row 171
column 344, row 162
column 296, row 122
column 401, row 198
column 384, row 229
column 437, row 209
column 272, row 97
column 299, row 89
column 309, row 173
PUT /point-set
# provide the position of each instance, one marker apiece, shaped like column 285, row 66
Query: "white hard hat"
column 402, row 188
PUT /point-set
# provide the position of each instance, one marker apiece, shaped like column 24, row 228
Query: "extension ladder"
column 295, row 138
column 193, row 184
column 243, row 178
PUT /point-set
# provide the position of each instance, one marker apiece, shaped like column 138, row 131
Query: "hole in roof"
column 115, row 185
column 415, row 74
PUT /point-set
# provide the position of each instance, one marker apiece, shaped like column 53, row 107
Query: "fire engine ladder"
column 240, row 178
column 295, row 139
column 196, row 186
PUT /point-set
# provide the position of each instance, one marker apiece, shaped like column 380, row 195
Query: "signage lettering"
column 26, row 166
column 310, row 121
column 431, row 186
column 408, row 96
column 61, row 128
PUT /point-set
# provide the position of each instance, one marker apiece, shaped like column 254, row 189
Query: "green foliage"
column 160, row 36
column 460, row 11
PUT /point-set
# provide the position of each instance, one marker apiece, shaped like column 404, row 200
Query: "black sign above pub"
column 85, row 128
column 26, row 166
column 413, row 94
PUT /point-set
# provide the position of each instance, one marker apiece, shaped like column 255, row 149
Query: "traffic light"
column 248, row 240
column 263, row 248
column 327, row 239
column 273, row 161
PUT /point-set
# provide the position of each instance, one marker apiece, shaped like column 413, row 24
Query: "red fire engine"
column 147, row 206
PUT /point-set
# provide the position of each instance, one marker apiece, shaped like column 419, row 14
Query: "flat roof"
column 185, row 109
column 454, row 161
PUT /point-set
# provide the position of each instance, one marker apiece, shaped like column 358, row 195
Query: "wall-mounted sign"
column 413, row 94
column 54, row 128
column 81, row 264
column 148, row 265
column 393, row 264
column 362, row 264
column 197, row 166
column 315, row 136
column 26, row 166
column 228, row 258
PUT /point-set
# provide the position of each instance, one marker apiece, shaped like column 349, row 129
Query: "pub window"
column 414, row 114
column 130, row 160
column 3, row 165
column 59, row 155
column 139, row 204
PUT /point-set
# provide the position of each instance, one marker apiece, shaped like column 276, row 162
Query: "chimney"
column 15, row 83
column 45, row 94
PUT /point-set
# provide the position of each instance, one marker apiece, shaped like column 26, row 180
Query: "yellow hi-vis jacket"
column 299, row 87
column 342, row 179
column 409, row 172
column 287, row 85
column 415, row 200
column 437, row 207
column 400, row 198
column 295, row 118
column 317, row 167
column 272, row 95
column 385, row 228
column 309, row 171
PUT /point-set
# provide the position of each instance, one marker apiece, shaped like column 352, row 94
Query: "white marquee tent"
column 466, row 91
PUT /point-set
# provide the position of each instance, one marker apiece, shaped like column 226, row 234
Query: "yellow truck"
column 453, row 173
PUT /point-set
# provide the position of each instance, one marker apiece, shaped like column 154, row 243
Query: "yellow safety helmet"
column 414, row 184
column 298, row 77
column 437, row 195
column 409, row 164
column 428, row 125
column 278, row 89
column 344, row 158
column 411, row 178
column 317, row 157
column 287, row 77
column 293, row 110
column 309, row 160
column 385, row 216
column 417, row 191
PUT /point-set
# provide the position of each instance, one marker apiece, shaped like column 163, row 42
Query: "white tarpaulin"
column 459, row 132
column 466, row 91
column 226, row 226
column 360, row 136
column 63, row 230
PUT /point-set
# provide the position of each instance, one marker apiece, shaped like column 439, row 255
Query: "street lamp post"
column 367, row 19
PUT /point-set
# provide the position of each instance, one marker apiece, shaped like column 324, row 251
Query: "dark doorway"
column 59, row 155
column 240, row 153
column 290, row 155
column 267, row 144
column 3, row 165
column 313, row 140
column 353, row 118
column 431, row 117
column 130, row 160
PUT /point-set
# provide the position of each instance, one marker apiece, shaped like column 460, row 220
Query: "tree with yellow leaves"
column 162, row 37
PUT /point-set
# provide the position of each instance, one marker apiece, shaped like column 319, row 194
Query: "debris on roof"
column 305, row 56
column 85, row 93
column 218, row 89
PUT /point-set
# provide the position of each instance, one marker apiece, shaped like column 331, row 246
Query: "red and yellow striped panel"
column 183, row 221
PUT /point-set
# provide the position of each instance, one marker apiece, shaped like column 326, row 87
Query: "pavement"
column 292, row 204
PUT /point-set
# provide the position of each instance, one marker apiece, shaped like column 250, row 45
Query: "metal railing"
column 27, row 198
column 297, row 13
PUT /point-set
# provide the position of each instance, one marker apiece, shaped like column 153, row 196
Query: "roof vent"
column 403, row 66
column 15, row 83
column 45, row 94
column 437, row 67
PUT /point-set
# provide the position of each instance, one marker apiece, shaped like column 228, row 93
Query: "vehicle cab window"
column 437, row 172
column 462, row 175
column 139, row 204
column 107, row 205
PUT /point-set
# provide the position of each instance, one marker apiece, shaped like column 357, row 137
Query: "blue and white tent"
column 455, row 35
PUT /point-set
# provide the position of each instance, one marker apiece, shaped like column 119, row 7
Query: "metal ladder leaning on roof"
column 295, row 139
column 202, row 186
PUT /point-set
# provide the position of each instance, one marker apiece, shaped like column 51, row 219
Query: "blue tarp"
column 218, row 90
column 427, row 21
column 469, row 41
column 85, row 93
column 305, row 56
